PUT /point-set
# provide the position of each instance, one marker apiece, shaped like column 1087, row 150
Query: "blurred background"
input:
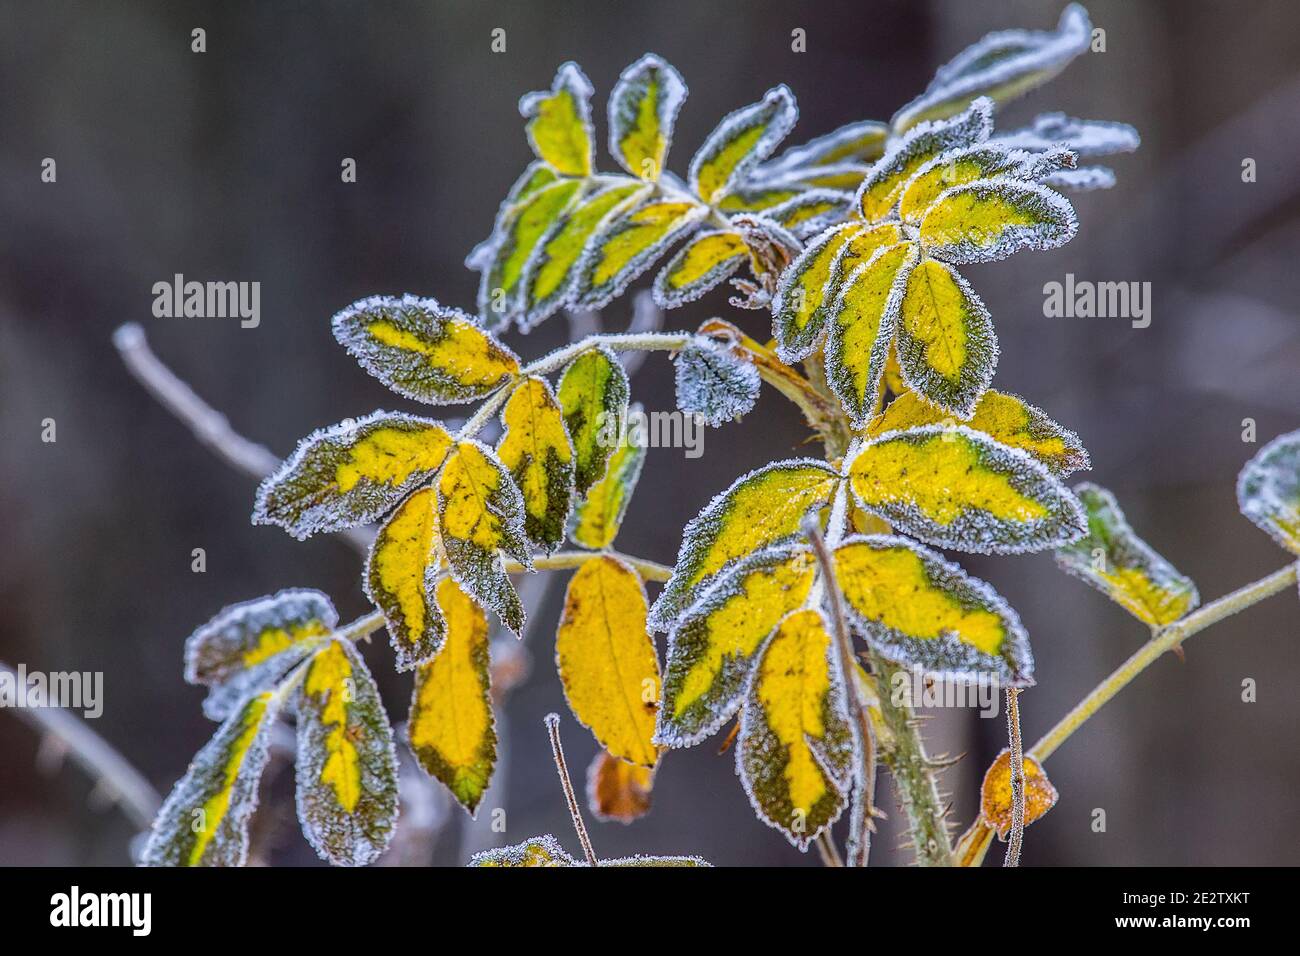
column 225, row 165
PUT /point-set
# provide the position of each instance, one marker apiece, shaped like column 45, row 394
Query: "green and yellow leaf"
column 860, row 142
column 538, row 851
column 800, row 307
column 957, row 488
column 617, row 790
column 593, row 395
column 757, row 198
column 698, row 266
column 607, row 661
column 522, row 230
column 204, row 820
column 760, row 509
column 1005, row 417
column 423, row 350
column 401, row 574
column 1119, row 564
column 711, row 649
column 811, row 212
column 926, row 613
column 741, row 141
column 628, row 245
column 642, row 111
column 796, row 746
column 452, row 729
column 535, row 448
column 599, row 515
column 248, row 647
column 559, row 122
column 990, row 219
column 996, row 801
column 346, row 762
column 1268, row 490
column 481, row 514
column 946, row 345
column 955, row 168
column 352, row 473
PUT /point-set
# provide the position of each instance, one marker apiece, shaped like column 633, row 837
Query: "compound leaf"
column 481, row 514
column 617, row 790
column 762, row 508
column 995, row 793
column 643, row 109
column 423, row 350
column 711, row 649
column 741, row 141
column 593, row 396
column 204, row 820
column 352, row 473
column 559, row 122
column 796, row 746
column 629, row 244
column 1268, row 490
column 535, row 448
column 713, row 384
column 926, row 613
column 1119, row 564
column 346, row 762
column 248, row 647
column 452, row 730
column 607, row 661
column 957, row 488
column 698, row 266
column 1005, row 417
column 401, row 573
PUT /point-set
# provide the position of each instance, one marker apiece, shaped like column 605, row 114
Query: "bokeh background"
column 226, row 165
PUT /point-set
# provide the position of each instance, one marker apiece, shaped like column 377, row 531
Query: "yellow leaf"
column 1114, row 560
column 990, row 219
column 995, row 793
column 946, row 345
column 452, row 730
column 760, row 509
column 535, row 449
column 559, row 122
column 795, row 742
column 1002, row 416
column 618, row 790
column 346, row 764
column 401, row 572
column 700, row 265
column 481, row 514
column 352, row 473
column 642, row 110
column 607, row 661
column 953, row 169
column 423, row 350
column 1268, row 490
column 593, row 393
column 858, row 142
column 811, row 212
column 866, row 314
column 628, row 245
column 741, row 140
column 800, row 306
column 204, row 820
column 599, row 515
column 924, row 612
column 958, row 488
column 710, row 651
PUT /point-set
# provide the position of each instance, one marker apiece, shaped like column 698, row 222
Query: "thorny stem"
column 1017, row 779
column 557, row 750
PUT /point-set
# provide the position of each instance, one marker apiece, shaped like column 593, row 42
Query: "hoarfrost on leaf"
column 1268, row 490
column 713, row 384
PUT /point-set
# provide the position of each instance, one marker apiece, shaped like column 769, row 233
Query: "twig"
column 112, row 773
column 557, row 750
column 827, row 850
column 1017, row 779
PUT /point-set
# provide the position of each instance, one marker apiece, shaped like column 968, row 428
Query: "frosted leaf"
column 1002, row 65
column 643, row 109
column 861, row 142
column 536, row 449
column 996, row 800
column 642, row 860
column 1086, row 138
column 713, row 384
column 811, row 212
column 991, row 219
column 629, row 244
column 593, row 392
column 204, row 820
column 534, row 177
column 741, row 141
column 559, row 122
column 1268, row 490
column 801, row 304
column 1084, row 179
column 352, row 473
column 598, row 516
column 1119, row 564
column 618, row 791
column 926, row 613
column 423, row 350
column 346, row 765
column 966, row 164
column 538, row 851
column 758, row 195
column 843, row 177
column 248, row 647
column 977, row 494
column 708, row 259
column 401, row 574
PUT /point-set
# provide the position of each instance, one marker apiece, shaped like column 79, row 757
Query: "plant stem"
column 826, row 849
column 1166, row 639
column 557, row 750
column 615, row 341
column 649, row 570
column 1017, row 779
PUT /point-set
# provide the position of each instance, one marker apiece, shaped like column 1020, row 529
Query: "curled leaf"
column 1268, row 490
column 713, row 384
column 995, row 793
column 617, row 790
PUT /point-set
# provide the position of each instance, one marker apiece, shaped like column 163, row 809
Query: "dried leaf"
column 618, row 791
column 995, row 793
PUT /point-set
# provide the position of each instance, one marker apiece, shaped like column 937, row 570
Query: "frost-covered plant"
column 802, row 590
